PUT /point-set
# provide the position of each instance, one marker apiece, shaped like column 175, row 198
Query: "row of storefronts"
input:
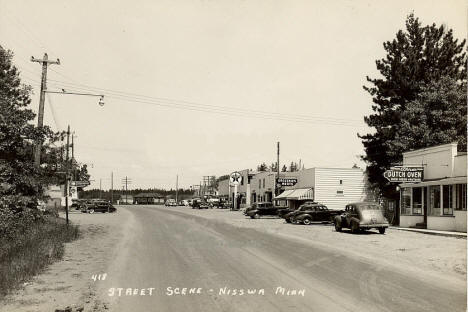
column 438, row 202
column 334, row 187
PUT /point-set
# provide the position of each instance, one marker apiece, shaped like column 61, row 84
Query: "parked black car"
column 313, row 212
column 261, row 209
column 362, row 216
column 200, row 204
column 97, row 206
column 286, row 212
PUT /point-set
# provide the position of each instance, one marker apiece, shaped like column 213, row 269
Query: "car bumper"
column 375, row 225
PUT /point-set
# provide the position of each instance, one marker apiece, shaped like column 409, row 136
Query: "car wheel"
column 252, row 217
column 256, row 216
column 355, row 228
column 288, row 220
column 307, row 221
column 382, row 230
column 337, row 227
column 91, row 210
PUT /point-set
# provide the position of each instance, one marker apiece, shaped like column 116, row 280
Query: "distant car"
column 77, row 204
column 261, row 209
column 200, row 204
column 362, row 216
column 184, row 202
column 97, row 206
column 170, row 203
column 313, row 212
column 224, row 204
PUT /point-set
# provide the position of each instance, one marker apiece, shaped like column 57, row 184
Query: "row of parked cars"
column 356, row 216
column 92, row 205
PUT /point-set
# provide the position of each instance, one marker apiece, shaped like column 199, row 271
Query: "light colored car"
column 362, row 216
column 170, row 202
column 185, row 202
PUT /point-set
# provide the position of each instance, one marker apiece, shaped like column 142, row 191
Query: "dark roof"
column 146, row 195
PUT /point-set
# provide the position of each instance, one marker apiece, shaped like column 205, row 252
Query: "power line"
column 184, row 105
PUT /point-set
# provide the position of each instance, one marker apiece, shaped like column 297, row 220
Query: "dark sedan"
column 261, row 209
column 200, row 204
column 97, row 206
column 313, row 212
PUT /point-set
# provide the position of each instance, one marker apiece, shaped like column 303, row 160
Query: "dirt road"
column 164, row 259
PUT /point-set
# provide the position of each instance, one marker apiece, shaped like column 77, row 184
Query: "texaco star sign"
column 235, row 178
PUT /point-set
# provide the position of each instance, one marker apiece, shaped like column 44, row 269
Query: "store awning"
column 297, row 194
column 445, row 181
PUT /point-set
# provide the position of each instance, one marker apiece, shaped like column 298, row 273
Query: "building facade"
column 333, row 187
column 438, row 202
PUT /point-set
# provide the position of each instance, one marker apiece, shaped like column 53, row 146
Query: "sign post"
column 235, row 179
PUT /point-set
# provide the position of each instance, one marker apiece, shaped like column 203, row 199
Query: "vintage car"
column 170, row 202
column 287, row 212
column 261, row 209
column 362, row 216
column 77, row 204
column 200, row 204
column 313, row 212
column 92, row 206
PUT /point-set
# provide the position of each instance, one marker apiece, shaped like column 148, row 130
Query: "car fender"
column 341, row 219
column 303, row 216
column 354, row 220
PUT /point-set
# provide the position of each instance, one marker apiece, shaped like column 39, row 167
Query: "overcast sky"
column 207, row 87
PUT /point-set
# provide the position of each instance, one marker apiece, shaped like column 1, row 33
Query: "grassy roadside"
column 28, row 243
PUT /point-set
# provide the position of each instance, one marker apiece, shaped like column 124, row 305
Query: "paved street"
column 166, row 248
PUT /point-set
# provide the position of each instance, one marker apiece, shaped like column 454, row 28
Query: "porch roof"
column 444, row 181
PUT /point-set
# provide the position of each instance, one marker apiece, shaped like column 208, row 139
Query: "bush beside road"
column 29, row 241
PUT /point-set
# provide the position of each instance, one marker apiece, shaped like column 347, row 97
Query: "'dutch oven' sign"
column 404, row 174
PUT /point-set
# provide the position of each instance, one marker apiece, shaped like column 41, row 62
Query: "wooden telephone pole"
column 40, row 117
column 66, row 174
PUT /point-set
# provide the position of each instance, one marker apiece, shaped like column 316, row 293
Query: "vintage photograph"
column 233, row 155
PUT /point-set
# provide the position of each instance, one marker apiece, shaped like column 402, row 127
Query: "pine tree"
column 415, row 59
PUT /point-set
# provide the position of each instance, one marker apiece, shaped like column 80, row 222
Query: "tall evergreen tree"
column 415, row 59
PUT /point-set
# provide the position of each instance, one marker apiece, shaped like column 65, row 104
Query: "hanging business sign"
column 404, row 174
column 280, row 182
column 80, row 183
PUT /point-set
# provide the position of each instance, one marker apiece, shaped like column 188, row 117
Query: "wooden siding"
column 327, row 184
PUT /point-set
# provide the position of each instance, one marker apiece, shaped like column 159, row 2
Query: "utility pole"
column 277, row 167
column 73, row 155
column 126, row 182
column 177, row 189
column 66, row 175
column 112, row 187
column 40, row 117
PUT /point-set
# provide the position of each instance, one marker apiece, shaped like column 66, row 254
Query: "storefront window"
column 434, row 196
column 406, row 201
column 460, row 197
column 417, row 200
column 448, row 199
